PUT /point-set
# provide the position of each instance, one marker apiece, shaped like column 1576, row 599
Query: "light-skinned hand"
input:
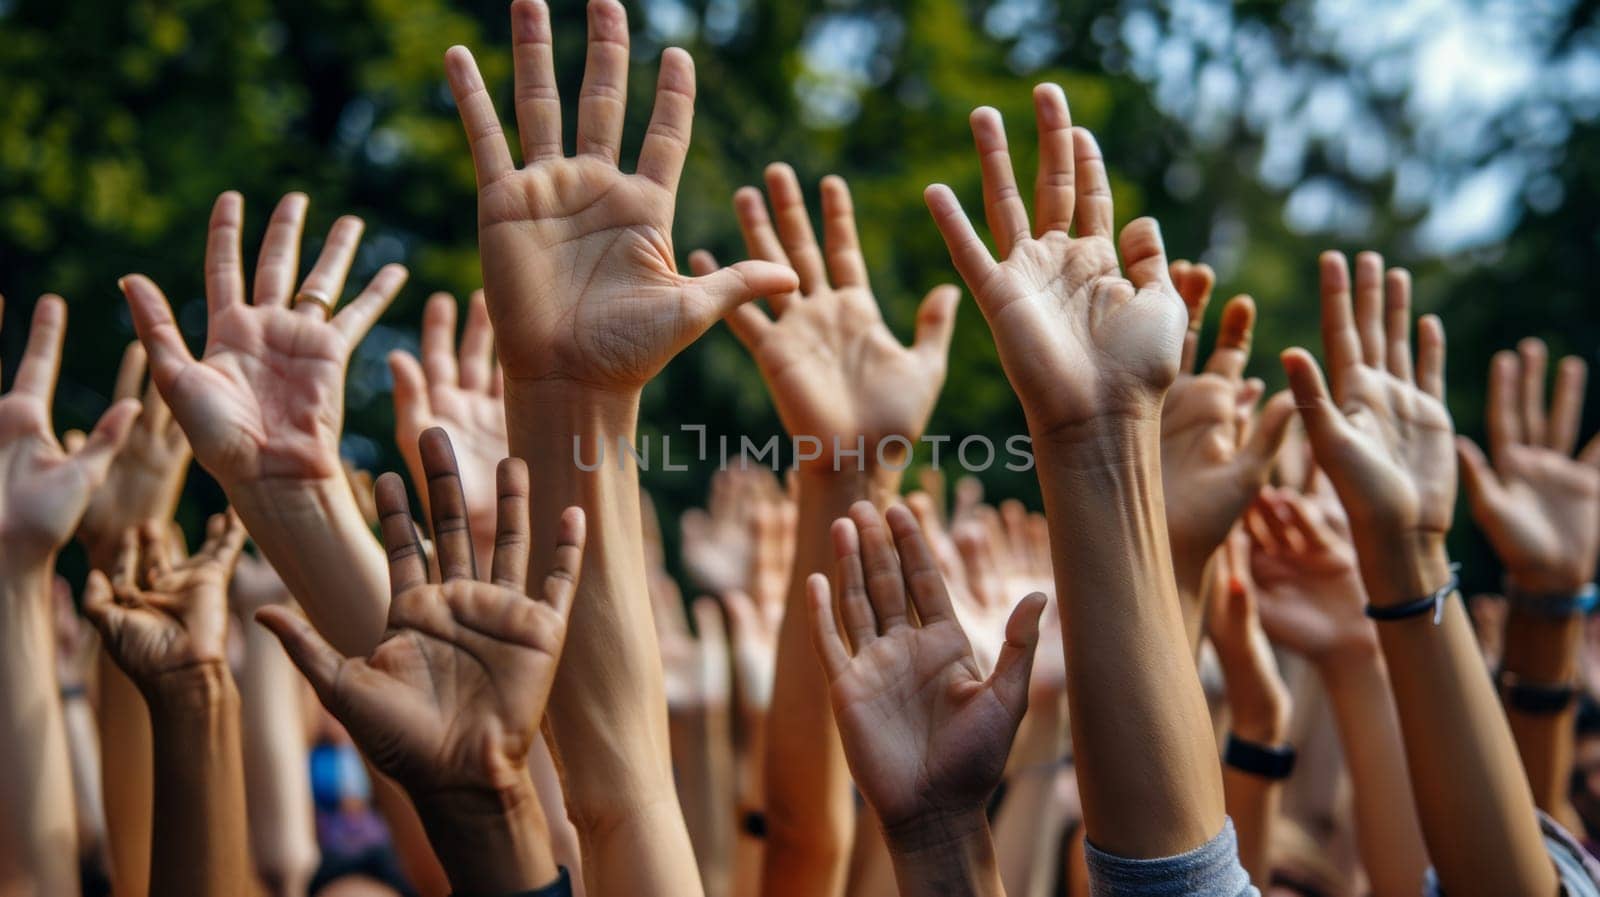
column 579, row 270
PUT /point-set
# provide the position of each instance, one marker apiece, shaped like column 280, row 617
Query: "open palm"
column 1215, row 455
column 157, row 615
column 924, row 732
column 1080, row 336
column 451, row 698
column 44, row 489
column 578, row 263
column 1383, row 436
column 266, row 400
column 1539, row 505
column 833, row 367
column 460, row 390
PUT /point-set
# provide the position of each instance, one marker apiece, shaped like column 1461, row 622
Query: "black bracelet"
column 1538, row 698
column 1559, row 607
column 754, row 823
column 72, row 692
column 561, row 887
column 1266, row 761
column 1434, row 602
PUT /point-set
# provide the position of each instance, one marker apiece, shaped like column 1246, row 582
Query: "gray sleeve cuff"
column 1210, row 870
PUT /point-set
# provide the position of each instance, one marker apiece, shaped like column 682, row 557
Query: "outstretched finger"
column 794, row 227
column 538, row 102
column 408, row 565
column 511, row 538
column 1002, row 202
column 130, row 373
column 886, row 584
column 1397, row 321
column 1430, row 356
column 1505, row 424
column 1095, row 216
column 1339, row 338
column 312, row 655
column 854, row 607
column 447, row 505
column 1369, row 308
column 1053, row 193
column 224, row 259
column 928, row 592
column 1014, row 667
column 666, row 140
column 477, row 345
column 824, row 628
column 491, row 158
column 1232, row 352
column 1535, row 359
column 561, row 583
column 41, row 358
column 936, row 326
column 157, row 330
column 1566, row 407
column 846, row 266
column 332, row 268
column 93, row 458
column 603, row 97
column 1194, row 284
column 278, row 264
column 355, row 319
column 971, row 257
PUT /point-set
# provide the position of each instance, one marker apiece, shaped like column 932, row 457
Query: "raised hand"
column 578, row 264
column 1308, row 585
column 1080, row 336
column 833, row 367
column 266, row 399
column 1539, row 505
column 926, row 736
column 452, row 696
column 158, row 614
column 449, row 702
column 462, row 391
column 45, row 489
column 1215, row 453
column 1383, row 435
column 1257, row 696
column 149, row 471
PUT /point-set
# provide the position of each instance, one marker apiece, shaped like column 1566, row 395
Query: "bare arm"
column 1393, row 468
column 1091, row 371
column 1540, row 507
column 1312, row 602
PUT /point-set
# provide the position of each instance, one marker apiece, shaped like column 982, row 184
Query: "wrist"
column 195, row 690
column 489, row 841
column 1403, row 567
column 948, row 852
column 881, row 486
column 1534, row 582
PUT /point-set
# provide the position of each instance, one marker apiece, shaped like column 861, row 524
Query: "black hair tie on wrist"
column 1266, row 761
column 1434, row 602
column 754, row 824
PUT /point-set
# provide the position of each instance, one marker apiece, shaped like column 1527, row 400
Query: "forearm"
column 83, row 743
column 38, row 832
column 608, row 711
column 1483, row 839
column 313, row 534
column 277, row 777
column 126, row 764
column 1252, row 801
column 1544, row 651
column 948, row 857
column 810, row 811
column 1388, row 833
column 1029, row 823
column 200, row 844
column 702, row 756
column 1141, row 732
column 750, row 849
column 553, row 803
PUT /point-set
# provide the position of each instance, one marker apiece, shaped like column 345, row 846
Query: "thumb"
column 153, row 321
column 936, row 324
column 1323, row 421
column 1015, row 665
column 1261, row 449
column 311, row 653
column 94, row 456
column 730, row 287
column 1484, row 491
